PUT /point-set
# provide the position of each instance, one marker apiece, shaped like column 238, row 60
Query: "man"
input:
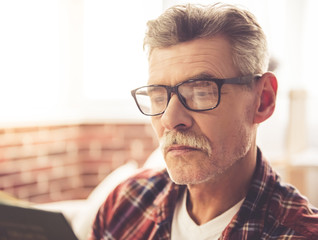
column 208, row 91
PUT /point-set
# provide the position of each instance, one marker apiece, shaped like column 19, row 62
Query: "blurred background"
column 67, row 118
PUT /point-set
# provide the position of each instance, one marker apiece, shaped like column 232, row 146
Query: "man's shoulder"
column 289, row 212
column 134, row 206
column 274, row 208
column 287, row 201
column 139, row 198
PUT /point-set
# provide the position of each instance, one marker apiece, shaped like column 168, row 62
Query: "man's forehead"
column 212, row 55
column 201, row 45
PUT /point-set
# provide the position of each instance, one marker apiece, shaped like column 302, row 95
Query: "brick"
column 62, row 162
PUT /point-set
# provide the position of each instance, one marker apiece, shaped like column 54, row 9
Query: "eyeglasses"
column 195, row 94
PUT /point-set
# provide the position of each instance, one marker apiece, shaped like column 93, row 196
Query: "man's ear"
column 266, row 97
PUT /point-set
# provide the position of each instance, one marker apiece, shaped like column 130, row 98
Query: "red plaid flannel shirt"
column 142, row 208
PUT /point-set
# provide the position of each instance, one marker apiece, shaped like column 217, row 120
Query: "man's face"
column 202, row 146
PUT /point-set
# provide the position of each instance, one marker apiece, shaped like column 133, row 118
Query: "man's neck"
column 210, row 199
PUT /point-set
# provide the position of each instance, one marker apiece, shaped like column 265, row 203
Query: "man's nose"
column 176, row 115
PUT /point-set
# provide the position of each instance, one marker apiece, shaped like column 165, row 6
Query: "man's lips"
column 180, row 148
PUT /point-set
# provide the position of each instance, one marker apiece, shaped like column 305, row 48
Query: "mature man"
column 208, row 91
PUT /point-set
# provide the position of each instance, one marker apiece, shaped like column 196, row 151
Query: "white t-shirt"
column 183, row 227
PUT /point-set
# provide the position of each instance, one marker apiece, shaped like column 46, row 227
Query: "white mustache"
column 188, row 138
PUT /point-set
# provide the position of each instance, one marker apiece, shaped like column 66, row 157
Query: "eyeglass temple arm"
column 242, row 80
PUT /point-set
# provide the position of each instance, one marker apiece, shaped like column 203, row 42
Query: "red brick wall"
column 52, row 163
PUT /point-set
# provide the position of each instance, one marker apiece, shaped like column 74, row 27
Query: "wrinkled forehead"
column 177, row 63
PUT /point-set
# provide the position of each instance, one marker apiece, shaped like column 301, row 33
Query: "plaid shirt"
column 142, row 208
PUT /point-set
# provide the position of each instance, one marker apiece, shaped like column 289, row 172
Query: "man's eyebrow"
column 202, row 76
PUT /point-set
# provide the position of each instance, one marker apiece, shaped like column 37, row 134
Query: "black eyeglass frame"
column 244, row 80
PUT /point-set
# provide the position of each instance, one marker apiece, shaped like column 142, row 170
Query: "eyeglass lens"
column 195, row 95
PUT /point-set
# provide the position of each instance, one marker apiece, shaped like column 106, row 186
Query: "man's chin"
column 191, row 177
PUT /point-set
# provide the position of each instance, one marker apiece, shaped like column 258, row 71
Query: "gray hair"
column 183, row 23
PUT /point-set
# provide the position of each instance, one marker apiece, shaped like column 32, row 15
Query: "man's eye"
column 157, row 99
column 201, row 93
